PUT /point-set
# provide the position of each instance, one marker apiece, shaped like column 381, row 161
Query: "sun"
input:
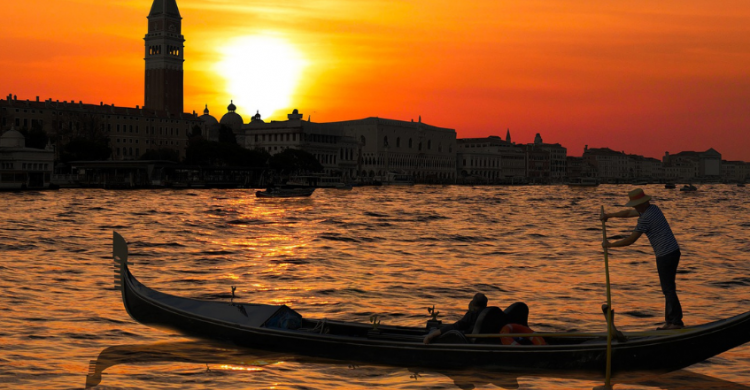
column 261, row 73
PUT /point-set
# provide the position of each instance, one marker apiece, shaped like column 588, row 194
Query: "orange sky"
column 642, row 77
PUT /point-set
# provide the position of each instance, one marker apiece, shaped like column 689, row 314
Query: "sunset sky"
column 642, row 77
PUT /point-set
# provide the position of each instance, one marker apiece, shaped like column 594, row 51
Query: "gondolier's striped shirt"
column 654, row 224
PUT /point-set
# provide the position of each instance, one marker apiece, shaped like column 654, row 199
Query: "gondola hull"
column 257, row 326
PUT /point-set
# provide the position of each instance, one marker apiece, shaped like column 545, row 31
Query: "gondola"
column 280, row 328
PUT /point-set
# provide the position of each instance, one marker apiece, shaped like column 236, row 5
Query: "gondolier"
column 652, row 222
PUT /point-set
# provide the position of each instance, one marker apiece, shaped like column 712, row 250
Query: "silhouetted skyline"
column 641, row 77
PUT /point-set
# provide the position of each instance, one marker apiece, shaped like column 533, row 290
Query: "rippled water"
column 391, row 251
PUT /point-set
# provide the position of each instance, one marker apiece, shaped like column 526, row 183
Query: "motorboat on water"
column 394, row 178
column 689, row 188
column 583, row 182
column 319, row 182
column 670, row 186
column 283, row 329
column 286, row 192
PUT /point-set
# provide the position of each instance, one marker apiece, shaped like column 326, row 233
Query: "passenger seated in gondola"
column 483, row 319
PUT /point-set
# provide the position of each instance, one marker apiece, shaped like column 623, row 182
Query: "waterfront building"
column 610, row 165
column 645, row 168
column 22, row 167
column 336, row 151
column 689, row 165
column 364, row 149
column 537, row 164
column 131, row 131
column 490, row 160
column 735, row 171
column 578, row 167
column 425, row 152
column 555, row 161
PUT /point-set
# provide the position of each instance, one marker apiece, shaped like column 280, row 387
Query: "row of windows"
column 439, row 175
column 35, row 166
column 493, row 175
column 406, row 162
column 494, row 162
column 411, row 144
column 275, row 137
column 127, row 152
column 172, row 131
column 328, row 139
column 118, row 117
column 326, row 158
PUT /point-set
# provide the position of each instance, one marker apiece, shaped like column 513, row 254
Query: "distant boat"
column 689, row 188
column 740, row 184
column 393, row 178
column 285, row 192
column 319, row 182
column 670, row 186
column 583, row 182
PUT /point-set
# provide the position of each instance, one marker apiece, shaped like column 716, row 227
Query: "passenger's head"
column 479, row 302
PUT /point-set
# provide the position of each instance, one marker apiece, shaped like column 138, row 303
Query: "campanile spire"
column 164, row 57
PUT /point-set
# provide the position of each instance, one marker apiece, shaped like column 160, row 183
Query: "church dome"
column 232, row 119
column 12, row 139
column 208, row 119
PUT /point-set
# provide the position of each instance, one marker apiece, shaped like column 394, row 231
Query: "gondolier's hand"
column 603, row 217
column 606, row 244
column 431, row 335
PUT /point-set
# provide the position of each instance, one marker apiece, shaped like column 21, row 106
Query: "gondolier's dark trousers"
column 667, row 267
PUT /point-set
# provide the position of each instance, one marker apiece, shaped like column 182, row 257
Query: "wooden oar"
column 608, row 374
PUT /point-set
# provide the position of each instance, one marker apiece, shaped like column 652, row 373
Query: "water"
column 391, row 251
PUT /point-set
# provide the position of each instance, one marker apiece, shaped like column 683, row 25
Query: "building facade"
column 609, row 164
column 129, row 131
column 361, row 150
column 22, row 167
column 690, row 165
column 490, row 160
column 556, row 160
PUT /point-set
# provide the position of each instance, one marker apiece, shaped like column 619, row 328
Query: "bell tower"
column 164, row 57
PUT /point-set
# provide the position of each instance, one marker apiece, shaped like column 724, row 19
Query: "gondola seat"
column 490, row 320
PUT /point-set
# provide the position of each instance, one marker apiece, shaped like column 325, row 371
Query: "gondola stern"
column 121, row 271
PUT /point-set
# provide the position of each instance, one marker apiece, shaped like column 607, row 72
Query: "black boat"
column 689, row 188
column 286, row 192
column 279, row 328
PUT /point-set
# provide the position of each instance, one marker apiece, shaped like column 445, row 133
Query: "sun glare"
column 261, row 73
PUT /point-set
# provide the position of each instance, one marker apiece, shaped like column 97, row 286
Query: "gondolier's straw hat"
column 637, row 196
